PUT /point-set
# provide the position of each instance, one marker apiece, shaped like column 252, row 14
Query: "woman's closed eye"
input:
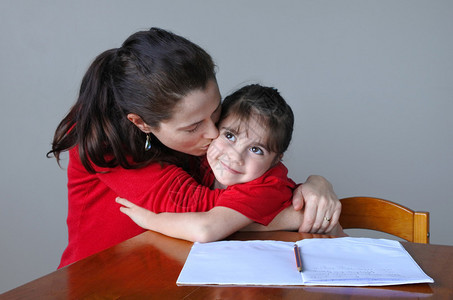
column 194, row 128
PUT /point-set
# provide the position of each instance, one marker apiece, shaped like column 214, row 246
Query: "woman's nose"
column 211, row 131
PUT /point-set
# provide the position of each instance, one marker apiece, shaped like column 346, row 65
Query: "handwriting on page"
column 342, row 261
column 333, row 262
column 348, row 273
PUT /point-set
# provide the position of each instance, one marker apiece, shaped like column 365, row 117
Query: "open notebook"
column 334, row 262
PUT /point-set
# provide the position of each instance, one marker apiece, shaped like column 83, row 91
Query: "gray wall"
column 371, row 84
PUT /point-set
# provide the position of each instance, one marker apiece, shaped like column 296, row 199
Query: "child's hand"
column 138, row 214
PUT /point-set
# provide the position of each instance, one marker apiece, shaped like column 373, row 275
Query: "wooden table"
column 147, row 266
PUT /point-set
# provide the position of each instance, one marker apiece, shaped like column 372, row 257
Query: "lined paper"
column 335, row 262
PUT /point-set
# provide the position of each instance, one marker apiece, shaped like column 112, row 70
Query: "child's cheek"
column 214, row 149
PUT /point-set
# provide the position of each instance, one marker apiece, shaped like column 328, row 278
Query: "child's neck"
column 218, row 185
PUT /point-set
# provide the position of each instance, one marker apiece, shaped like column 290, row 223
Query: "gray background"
column 371, row 84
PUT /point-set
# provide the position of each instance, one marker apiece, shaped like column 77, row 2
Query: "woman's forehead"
column 197, row 105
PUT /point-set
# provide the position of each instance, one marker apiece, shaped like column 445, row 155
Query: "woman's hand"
column 321, row 207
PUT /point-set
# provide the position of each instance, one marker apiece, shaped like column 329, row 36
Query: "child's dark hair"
column 146, row 76
column 268, row 106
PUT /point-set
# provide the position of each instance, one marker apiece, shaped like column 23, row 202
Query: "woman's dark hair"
column 147, row 76
column 270, row 110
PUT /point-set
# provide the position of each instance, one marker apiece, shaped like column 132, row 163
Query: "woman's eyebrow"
column 201, row 121
column 190, row 125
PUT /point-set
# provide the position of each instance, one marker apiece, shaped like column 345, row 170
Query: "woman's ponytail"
column 91, row 121
column 151, row 72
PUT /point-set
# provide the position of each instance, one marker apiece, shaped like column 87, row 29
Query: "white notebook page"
column 340, row 261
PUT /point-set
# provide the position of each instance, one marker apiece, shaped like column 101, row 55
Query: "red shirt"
column 94, row 218
column 261, row 199
column 96, row 223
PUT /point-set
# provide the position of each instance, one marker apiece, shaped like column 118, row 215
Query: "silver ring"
column 327, row 219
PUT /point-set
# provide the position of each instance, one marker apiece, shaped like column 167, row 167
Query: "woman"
column 145, row 113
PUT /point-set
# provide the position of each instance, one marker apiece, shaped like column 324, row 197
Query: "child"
column 255, row 130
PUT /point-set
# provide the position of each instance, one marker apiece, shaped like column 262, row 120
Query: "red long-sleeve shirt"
column 96, row 223
column 94, row 219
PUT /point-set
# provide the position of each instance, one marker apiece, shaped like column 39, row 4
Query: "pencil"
column 298, row 258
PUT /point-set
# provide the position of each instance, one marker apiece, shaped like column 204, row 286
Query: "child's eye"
column 257, row 150
column 229, row 136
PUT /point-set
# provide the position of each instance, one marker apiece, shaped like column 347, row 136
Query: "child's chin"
column 229, row 182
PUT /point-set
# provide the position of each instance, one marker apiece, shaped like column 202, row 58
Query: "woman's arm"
column 208, row 226
column 166, row 188
column 170, row 189
column 289, row 219
column 313, row 201
column 319, row 203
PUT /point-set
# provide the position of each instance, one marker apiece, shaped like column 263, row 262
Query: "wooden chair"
column 386, row 216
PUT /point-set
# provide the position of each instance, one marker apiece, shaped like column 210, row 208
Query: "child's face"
column 238, row 157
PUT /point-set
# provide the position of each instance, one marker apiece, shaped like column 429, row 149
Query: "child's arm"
column 289, row 219
column 208, row 226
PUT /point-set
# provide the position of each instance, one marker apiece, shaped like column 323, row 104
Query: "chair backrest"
column 386, row 216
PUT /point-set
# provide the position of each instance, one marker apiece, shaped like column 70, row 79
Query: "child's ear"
column 277, row 159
